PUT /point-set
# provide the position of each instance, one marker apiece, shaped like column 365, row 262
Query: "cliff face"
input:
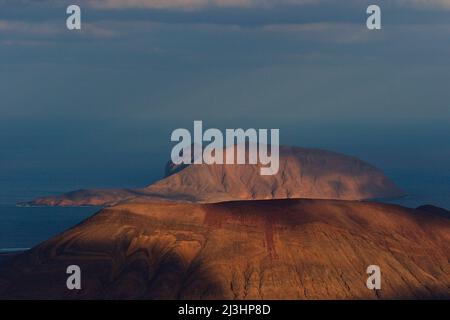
column 277, row 249
column 303, row 173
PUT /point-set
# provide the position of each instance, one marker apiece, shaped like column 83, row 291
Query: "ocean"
column 422, row 188
column 24, row 227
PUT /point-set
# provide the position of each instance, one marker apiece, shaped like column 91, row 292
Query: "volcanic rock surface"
column 303, row 173
column 272, row 249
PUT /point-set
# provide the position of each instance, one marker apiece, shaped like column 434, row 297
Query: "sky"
column 96, row 107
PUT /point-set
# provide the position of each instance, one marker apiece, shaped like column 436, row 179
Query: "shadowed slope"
column 277, row 249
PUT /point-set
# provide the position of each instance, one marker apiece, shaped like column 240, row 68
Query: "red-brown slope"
column 275, row 249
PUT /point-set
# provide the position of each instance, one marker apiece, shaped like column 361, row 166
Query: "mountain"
column 267, row 249
column 303, row 173
column 435, row 210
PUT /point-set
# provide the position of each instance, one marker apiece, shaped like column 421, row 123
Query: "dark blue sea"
column 24, row 227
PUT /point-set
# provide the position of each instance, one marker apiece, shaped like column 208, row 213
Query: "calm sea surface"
column 24, row 227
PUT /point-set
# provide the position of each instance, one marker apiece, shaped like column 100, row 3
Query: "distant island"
column 304, row 173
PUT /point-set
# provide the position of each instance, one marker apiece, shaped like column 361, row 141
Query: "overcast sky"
column 138, row 69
